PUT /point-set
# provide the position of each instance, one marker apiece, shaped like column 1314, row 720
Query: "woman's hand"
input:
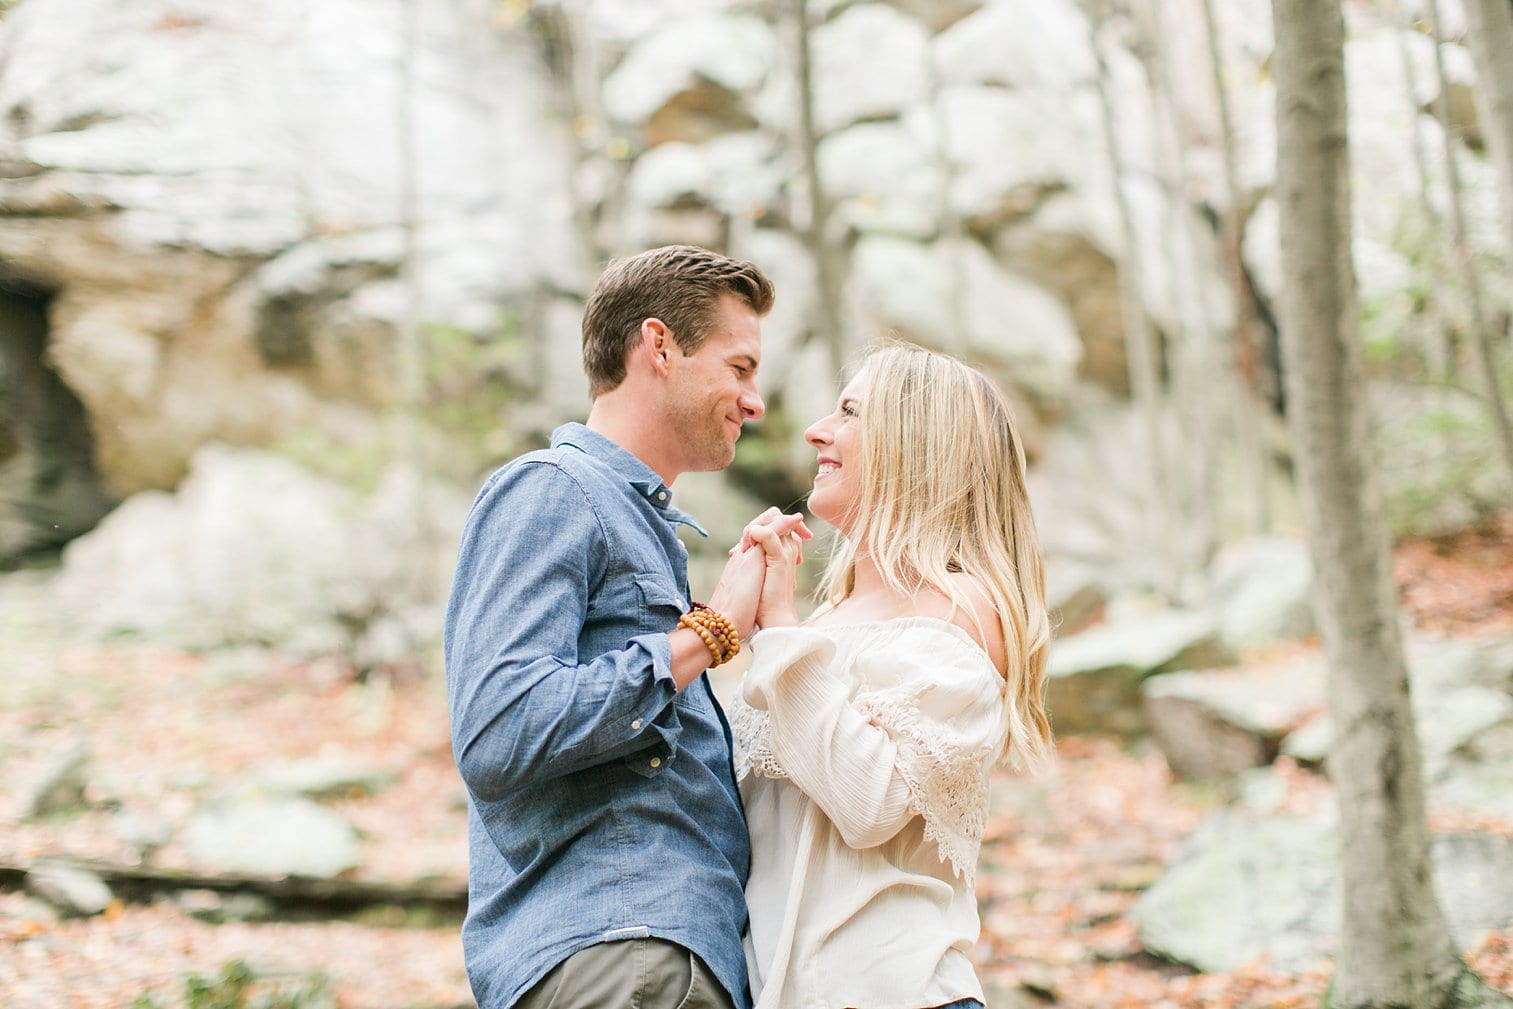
column 781, row 541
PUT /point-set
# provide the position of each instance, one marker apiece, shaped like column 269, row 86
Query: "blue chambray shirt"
column 602, row 803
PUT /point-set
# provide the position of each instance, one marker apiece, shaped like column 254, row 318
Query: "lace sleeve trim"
column 948, row 785
column 752, row 730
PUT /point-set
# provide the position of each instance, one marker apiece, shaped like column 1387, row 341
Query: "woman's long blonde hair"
column 943, row 491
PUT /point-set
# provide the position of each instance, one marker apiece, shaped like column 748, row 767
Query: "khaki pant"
column 630, row 974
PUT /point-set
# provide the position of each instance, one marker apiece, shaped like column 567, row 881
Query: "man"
column 608, row 847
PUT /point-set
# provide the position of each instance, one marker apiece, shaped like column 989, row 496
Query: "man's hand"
column 740, row 588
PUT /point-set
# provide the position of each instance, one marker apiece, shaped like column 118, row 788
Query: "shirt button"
column 636, row 724
column 656, row 761
column 661, row 495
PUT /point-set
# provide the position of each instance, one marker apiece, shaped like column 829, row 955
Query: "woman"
column 865, row 736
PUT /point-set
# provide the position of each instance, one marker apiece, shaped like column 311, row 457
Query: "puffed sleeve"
column 909, row 726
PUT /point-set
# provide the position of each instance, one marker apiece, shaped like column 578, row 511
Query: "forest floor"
column 1066, row 854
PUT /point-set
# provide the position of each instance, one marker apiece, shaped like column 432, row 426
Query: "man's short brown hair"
column 678, row 284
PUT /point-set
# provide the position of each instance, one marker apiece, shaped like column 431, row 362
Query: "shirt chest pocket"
column 660, row 605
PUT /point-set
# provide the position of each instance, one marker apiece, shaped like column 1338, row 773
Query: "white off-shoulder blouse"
column 863, row 753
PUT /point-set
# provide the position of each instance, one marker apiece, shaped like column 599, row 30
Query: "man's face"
column 712, row 391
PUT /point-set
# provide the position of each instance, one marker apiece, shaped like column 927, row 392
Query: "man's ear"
column 656, row 344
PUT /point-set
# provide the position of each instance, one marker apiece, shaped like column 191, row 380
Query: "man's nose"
column 752, row 405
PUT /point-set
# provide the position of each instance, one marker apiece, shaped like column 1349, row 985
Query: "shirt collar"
column 636, row 473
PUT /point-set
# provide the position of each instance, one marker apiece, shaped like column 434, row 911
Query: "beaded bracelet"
column 715, row 628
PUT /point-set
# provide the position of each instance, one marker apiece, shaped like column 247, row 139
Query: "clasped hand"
column 757, row 586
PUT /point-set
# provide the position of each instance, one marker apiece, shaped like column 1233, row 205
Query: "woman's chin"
column 831, row 516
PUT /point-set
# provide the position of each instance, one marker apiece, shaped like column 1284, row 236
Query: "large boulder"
column 1264, row 591
column 1017, row 44
column 1214, row 724
column 847, row 52
column 952, row 294
column 1457, row 718
column 272, row 837
column 692, row 78
column 1244, row 888
column 258, row 550
column 883, row 177
column 1094, row 678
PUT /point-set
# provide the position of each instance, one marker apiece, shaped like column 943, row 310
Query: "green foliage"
column 1397, row 321
column 236, row 986
column 356, row 464
column 1438, row 459
column 471, row 381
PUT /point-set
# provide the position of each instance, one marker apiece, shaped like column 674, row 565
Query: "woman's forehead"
column 853, row 389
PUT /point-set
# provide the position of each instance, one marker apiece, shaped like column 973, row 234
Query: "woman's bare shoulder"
column 974, row 614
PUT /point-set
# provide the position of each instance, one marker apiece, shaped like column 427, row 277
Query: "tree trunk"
column 1195, row 381
column 1481, row 337
column 1438, row 356
column 1489, row 33
column 1246, row 342
column 828, row 265
column 573, row 60
column 1394, row 947
column 1139, row 342
column 409, row 354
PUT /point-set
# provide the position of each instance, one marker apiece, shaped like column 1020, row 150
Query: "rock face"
column 1217, row 723
column 209, row 210
column 1241, row 889
column 1264, row 591
column 237, row 225
column 1249, row 883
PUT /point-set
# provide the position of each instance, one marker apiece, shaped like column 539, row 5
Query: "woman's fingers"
column 786, row 546
column 764, row 537
column 772, row 518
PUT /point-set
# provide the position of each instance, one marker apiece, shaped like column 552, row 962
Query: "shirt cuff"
column 658, row 715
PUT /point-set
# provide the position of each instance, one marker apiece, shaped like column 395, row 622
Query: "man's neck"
column 617, row 419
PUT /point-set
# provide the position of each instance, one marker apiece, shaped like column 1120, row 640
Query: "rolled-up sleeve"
column 525, row 706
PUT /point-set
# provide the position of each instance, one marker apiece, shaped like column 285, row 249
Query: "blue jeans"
column 966, row 1003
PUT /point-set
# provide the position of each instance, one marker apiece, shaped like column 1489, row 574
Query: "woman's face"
column 837, row 439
